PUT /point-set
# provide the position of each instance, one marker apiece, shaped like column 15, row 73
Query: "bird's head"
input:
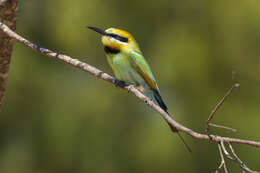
column 117, row 40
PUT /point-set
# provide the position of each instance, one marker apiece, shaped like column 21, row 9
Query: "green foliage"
column 58, row 119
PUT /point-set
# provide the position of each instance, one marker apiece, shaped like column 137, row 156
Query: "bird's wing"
column 138, row 62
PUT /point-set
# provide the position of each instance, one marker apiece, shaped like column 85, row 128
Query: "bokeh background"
column 56, row 118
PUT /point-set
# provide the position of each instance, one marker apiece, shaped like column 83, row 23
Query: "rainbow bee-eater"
column 129, row 65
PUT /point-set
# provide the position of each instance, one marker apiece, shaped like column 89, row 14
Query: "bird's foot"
column 130, row 87
column 139, row 88
column 120, row 83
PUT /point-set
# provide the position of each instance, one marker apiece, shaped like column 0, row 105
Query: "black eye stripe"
column 118, row 37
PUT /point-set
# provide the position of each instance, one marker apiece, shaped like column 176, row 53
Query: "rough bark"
column 8, row 9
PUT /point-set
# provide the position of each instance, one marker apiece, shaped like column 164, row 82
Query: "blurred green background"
column 56, row 118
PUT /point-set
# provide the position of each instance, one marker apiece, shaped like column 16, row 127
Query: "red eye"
column 123, row 39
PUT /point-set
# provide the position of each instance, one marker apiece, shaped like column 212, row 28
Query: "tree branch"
column 222, row 163
column 8, row 10
column 222, row 127
column 99, row 74
column 208, row 124
column 235, row 158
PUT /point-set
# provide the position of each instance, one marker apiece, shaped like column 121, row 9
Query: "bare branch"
column 236, row 85
column 240, row 163
column 235, row 158
column 99, row 74
column 223, row 127
column 222, row 163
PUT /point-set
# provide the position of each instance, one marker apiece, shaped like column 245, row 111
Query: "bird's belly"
column 125, row 72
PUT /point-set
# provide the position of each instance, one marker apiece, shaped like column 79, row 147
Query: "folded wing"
column 141, row 66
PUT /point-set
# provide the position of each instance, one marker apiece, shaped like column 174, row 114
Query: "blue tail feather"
column 159, row 100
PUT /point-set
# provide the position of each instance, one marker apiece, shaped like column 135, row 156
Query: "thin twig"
column 99, row 74
column 234, row 154
column 235, row 158
column 236, row 85
column 222, row 163
column 240, row 163
column 220, row 166
column 223, row 127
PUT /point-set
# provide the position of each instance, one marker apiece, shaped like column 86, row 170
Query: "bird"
column 129, row 65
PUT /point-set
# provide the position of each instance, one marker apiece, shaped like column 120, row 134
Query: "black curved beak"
column 100, row 31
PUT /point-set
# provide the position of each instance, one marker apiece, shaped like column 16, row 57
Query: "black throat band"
column 110, row 50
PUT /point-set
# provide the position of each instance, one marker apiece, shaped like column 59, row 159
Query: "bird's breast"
column 123, row 70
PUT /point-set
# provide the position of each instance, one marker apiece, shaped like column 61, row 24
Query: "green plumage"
column 129, row 65
column 132, row 68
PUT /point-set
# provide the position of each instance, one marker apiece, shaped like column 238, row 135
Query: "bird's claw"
column 130, row 87
column 120, row 84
